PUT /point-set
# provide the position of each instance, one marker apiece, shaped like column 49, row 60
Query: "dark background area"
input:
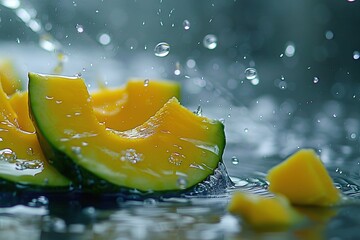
column 325, row 35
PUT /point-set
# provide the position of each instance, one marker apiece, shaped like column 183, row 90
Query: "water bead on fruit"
column 250, row 73
column 162, row 49
column 182, row 183
column 210, row 41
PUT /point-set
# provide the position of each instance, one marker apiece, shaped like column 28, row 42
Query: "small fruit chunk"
column 21, row 160
column 263, row 212
column 130, row 106
column 10, row 80
column 174, row 150
column 303, row 179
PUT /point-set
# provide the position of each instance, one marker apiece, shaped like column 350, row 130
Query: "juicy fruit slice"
column 10, row 80
column 175, row 149
column 125, row 108
column 19, row 103
column 303, row 179
column 21, row 159
column 262, row 212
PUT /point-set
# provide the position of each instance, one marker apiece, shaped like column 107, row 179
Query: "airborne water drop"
column 162, row 49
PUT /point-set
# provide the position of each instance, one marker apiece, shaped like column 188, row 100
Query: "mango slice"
column 303, row 179
column 21, row 159
column 174, row 150
column 10, row 79
column 263, row 212
column 19, row 103
column 130, row 106
column 117, row 108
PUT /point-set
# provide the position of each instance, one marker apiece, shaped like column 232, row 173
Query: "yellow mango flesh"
column 125, row 108
column 10, row 80
column 263, row 212
column 19, row 103
column 303, row 179
column 174, row 143
column 21, row 159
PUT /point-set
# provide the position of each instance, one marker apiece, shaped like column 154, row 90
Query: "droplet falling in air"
column 210, row 41
column 186, row 24
column 234, row 160
column 146, row 82
column 329, row 35
column 356, row 55
column 104, row 39
column 250, row 73
column 315, row 80
column 162, row 49
column 79, row 28
column 290, row 49
column 182, row 182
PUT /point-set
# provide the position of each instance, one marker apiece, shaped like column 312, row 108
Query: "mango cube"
column 303, row 179
column 263, row 212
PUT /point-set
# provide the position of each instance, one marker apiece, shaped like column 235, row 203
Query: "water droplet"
column 146, row 82
column 250, row 73
column 198, row 111
column 182, row 182
column 316, row 80
column 131, row 155
column 329, row 35
column 104, row 39
column 246, row 130
column 162, row 49
column 210, row 41
column 190, row 63
column 234, row 160
column 281, row 55
column 353, row 135
column 356, row 55
column 23, row 164
column 290, row 49
column 176, row 158
column 282, row 85
column 30, row 151
column 49, row 98
column 79, row 28
column 186, row 24
column 76, row 150
column 17, row 40
column 13, row 4
column 8, row 155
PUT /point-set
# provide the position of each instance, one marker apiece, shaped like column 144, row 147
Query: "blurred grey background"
column 303, row 50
